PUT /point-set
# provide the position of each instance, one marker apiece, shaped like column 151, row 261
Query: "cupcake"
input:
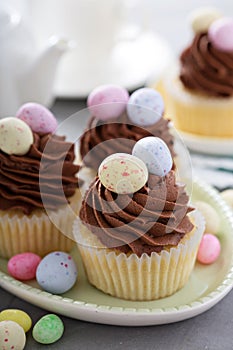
column 39, row 194
column 137, row 235
column 199, row 93
column 118, row 121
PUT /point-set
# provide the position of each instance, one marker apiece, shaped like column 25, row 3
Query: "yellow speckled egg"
column 18, row 316
column 123, row 173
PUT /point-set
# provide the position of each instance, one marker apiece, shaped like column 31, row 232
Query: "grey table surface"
column 211, row 330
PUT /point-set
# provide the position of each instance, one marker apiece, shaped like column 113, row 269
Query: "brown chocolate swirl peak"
column 206, row 69
column 116, row 127
column 153, row 218
column 101, row 139
column 44, row 171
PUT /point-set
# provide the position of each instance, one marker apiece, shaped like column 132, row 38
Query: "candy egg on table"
column 107, row 101
column 211, row 216
column 220, row 34
column 123, row 173
column 18, row 316
column 48, row 329
column 203, row 17
column 56, row 273
column 155, row 154
column 209, row 249
column 23, row 266
column 16, row 137
column 12, row 336
column 145, row 107
column 38, row 117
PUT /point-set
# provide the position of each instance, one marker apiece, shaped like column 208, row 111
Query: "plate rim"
column 106, row 314
column 216, row 145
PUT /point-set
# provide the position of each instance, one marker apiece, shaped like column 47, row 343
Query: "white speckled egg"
column 201, row 18
column 145, row 107
column 211, row 216
column 123, row 173
column 56, row 273
column 15, row 136
column 155, row 153
column 12, row 336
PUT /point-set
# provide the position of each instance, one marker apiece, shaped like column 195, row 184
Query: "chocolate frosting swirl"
column 45, row 174
column 148, row 221
column 206, row 69
column 102, row 139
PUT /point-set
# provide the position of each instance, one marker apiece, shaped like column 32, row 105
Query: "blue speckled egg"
column 56, row 273
column 155, row 154
column 145, row 107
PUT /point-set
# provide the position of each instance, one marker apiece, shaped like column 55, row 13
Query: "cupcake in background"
column 199, row 94
column 137, row 235
column 39, row 194
column 118, row 121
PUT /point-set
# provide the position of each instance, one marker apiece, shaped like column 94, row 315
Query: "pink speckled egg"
column 23, row 266
column 107, row 101
column 38, row 117
column 220, row 34
column 209, row 249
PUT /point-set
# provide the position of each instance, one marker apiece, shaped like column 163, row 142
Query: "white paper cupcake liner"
column 140, row 278
column 40, row 232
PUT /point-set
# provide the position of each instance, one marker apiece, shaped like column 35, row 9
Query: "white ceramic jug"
column 26, row 72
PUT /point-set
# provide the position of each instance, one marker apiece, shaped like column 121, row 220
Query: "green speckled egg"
column 48, row 329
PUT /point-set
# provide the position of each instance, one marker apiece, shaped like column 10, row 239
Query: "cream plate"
column 208, row 145
column 206, row 287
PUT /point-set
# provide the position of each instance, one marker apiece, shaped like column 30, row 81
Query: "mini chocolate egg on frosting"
column 201, row 18
column 38, row 117
column 220, row 34
column 155, row 153
column 123, row 173
column 57, row 273
column 145, row 107
column 107, row 101
column 16, row 137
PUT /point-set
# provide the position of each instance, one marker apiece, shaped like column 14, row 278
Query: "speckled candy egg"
column 209, row 249
column 56, row 273
column 15, row 136
column 48, row 329
column 203, row 17
column 220, row 34
column 145, row 107
column 155, row 153
column 107, row 101
column 38, row 117
column 18, row 316
column 12, row 336
column 23, row 266
column 211, row 216
column 123, row 173
column 227, row 195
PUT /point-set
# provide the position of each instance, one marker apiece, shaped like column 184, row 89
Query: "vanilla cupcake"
column 199, row 94
column 137, row 235
column 118, row 121
column 39, row 194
